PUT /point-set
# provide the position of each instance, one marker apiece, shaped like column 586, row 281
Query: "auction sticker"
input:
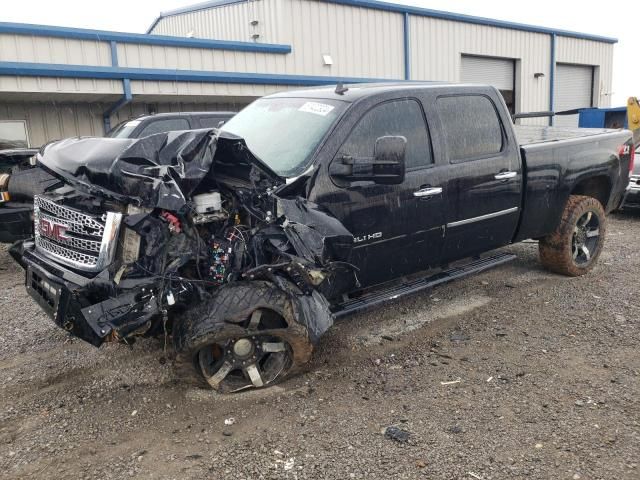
column 316, row 108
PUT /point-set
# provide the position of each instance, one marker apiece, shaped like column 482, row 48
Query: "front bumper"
column 91, row 309
column 632, row 194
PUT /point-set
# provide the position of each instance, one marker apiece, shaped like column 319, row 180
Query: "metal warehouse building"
column 220, row 55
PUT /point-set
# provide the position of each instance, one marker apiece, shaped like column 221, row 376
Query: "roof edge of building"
column 418, row 11
column 190, row 9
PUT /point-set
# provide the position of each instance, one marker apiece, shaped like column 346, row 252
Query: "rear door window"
column 471, row 127
column 397, row 118
column 163, row 126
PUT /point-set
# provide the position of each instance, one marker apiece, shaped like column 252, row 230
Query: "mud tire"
column 556, row 250
column 220, row 318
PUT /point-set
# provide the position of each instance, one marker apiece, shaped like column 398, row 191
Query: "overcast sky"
column 614, row 19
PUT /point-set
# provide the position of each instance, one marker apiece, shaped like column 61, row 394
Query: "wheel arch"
column 596, row 186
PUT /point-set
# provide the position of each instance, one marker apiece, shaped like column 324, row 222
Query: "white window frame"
column 26, row 128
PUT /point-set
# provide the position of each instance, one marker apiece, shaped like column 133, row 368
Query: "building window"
column 13, row 134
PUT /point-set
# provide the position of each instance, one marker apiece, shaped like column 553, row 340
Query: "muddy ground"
column 546, row 374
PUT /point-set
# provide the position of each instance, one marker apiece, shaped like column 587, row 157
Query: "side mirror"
column 387, row 166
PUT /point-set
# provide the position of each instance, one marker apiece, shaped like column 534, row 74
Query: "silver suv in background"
column 632, row 197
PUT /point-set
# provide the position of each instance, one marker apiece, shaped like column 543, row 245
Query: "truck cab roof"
column 357, row 91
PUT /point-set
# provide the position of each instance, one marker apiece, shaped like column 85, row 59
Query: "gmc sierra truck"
column 242, row 244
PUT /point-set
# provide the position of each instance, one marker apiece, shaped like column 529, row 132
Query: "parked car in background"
column 146, row 125
column 15, row 216
column 21, row 181
column 632, row 197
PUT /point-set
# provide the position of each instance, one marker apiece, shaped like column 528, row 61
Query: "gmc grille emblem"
column 52, row 230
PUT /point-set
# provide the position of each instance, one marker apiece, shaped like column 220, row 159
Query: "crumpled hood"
column 159, row 171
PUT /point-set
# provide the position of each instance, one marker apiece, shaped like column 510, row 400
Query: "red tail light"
column 627, row 149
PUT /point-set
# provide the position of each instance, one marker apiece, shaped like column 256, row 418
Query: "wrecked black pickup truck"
column 243, row 244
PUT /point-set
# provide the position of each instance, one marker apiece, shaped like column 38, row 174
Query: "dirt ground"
column 515, row 373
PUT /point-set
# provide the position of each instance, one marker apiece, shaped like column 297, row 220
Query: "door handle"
column 427, row 192
column 505, row 175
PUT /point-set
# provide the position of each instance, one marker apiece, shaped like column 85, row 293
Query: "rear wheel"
column 573, row 249
column 246, row 338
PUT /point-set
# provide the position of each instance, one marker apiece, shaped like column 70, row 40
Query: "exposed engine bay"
column 143, row 233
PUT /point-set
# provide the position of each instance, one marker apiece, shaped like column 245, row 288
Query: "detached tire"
column 246, row 337
column 573, row 249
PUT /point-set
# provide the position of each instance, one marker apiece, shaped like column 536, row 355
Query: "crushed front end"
column 144, row 233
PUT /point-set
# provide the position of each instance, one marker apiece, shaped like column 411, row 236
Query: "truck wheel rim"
column 254, row 360
column 586, row 238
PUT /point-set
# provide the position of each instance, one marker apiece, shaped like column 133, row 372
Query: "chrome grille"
column 71, row 237
column 79, row 241
column 78, row 258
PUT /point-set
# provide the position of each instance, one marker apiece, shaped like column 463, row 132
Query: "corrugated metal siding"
column 437, row 47
column 229, row 22
column 81, row 86
column 26, row 48
column 48, row 121
column 497, row 72
column 574, row 89
column 586, row 52
column 202, row 90
column 362, row 42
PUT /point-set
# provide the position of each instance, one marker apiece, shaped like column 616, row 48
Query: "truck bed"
column 556, row 159
column 531, row 135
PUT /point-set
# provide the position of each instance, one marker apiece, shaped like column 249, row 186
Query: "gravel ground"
column 515, row 373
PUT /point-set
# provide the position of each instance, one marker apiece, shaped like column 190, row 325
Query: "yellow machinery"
column 633, row 119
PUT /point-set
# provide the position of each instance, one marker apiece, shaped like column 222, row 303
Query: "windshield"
column 284, row 132
column 124, row 129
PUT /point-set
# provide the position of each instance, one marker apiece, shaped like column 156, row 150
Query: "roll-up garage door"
column 573, row 89
column 498, row 72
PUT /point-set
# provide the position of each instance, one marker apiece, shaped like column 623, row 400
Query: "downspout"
column 126, row 89
column 407, row 50
column 552, row 78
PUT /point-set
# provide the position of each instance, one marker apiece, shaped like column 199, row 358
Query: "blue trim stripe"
column 118, row 73
column 407, row 47
column 126, row 83
column 114, row 53
column 140, row 38
column 552, row 78
column 457, row 17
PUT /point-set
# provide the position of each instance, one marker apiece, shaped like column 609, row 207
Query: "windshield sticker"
column 133, row 123
column 321, row 109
